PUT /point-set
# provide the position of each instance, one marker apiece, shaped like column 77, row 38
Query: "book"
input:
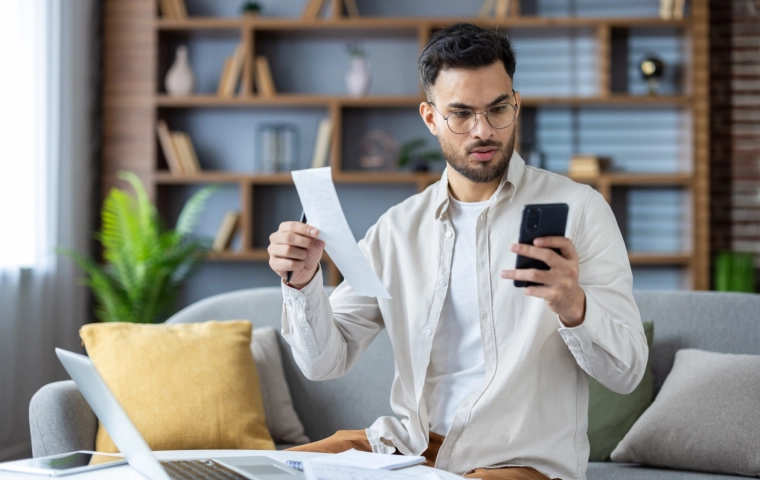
column 186, row 153
column 487, row 8
column 225, row 74
column 235, row 68
column 351, row 8
column 180, row 8
column 167, row 9
column 226, row 231
column 313, row 9
column 169, row 149
column 322, row 144
column 666, row 9
column 264, row 81
column 587, row 165
column 502, row 8
column 678, row 9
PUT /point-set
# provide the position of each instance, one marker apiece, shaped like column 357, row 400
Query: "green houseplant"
column 412, row 154
column 145, row 262
column 735, row 272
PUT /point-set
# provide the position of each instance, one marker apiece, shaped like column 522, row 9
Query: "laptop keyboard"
column 199, row 469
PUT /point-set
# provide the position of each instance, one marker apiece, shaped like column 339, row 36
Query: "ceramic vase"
column 179, row 78
column 358, row 77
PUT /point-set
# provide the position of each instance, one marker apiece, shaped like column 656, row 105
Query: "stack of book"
column 587, row 166
column 174, row 9
column 178, row 150
column 226, row 231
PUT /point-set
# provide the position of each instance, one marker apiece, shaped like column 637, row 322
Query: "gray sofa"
column 61, row 421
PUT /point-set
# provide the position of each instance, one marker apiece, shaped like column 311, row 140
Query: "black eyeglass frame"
column 446, row 117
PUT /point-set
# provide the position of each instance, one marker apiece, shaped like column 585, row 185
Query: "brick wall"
column 735, row 126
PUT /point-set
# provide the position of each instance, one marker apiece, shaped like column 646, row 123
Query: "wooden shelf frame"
column 131, row 106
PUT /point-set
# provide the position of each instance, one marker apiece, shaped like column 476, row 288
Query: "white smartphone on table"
column 65, row 463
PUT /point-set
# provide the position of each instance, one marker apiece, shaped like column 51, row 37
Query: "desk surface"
column 124, row 472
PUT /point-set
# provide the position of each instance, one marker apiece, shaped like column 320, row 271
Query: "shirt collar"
column 513, row 177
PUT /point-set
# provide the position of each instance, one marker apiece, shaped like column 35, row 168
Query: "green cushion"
column 611, row 415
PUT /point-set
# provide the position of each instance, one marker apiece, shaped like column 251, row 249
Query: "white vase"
column 358, row 77
column 179, row 78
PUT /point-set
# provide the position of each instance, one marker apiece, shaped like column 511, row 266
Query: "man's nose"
column 482, row 129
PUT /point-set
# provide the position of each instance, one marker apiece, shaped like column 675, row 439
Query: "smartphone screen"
column 71, row 460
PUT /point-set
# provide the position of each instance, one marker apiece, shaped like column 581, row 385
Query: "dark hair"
column 467, row 46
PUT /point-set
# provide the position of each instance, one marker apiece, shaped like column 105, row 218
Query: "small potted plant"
column 413, row 154
column 250, row 8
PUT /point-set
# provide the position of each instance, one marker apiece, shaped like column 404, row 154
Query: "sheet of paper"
column 322, row 207
column 376, row 461
column 315, row 470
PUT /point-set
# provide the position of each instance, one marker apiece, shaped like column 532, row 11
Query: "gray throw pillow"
column 705, row 418
column 281, row 418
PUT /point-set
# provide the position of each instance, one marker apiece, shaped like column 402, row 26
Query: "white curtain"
column 47, row 111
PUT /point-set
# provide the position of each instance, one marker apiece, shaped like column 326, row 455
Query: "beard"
column 480, row 172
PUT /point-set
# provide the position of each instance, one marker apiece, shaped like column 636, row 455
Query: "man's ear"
column 428, row 116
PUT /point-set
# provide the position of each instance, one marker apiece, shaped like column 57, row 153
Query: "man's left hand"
column 560, row 289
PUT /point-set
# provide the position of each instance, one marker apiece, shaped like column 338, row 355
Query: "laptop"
column 137, row 452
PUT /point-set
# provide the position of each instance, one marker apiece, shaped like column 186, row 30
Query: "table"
column 125, row 472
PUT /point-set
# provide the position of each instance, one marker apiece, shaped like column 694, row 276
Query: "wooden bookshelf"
column 132, row 105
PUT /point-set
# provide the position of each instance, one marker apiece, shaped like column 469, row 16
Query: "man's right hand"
column 295, row 247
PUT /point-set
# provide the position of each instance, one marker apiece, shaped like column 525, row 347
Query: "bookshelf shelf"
column 138, row 41
column 395, row 24
column 392, row 101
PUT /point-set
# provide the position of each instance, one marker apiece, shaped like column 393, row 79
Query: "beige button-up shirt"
column 533, row 406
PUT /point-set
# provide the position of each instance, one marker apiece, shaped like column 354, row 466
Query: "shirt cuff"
column 307, row 291
column 580, row 338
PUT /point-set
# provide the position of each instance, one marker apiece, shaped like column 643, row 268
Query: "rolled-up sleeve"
column 610, row 344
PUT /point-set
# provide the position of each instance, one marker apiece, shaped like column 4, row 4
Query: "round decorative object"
column 179, row 79
column 358, row 77
column 250, row 8
column 378, row 150
column 652, row 69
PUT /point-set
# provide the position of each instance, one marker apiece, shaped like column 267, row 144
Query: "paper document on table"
column 377, row 461
column 315, row 470
column 322, row 208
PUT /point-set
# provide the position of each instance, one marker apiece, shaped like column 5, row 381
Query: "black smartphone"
column 540, row 220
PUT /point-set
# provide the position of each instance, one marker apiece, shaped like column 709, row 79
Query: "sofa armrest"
column 60, row 420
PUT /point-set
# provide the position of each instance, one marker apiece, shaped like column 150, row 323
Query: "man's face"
column 481, row 155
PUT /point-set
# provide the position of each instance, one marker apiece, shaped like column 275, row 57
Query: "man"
column 491, row 380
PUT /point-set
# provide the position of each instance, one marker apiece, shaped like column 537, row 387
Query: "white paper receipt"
column 322, row 208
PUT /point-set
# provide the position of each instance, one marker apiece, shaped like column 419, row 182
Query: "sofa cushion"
column 281, row 418
column 632, row 471
column 611, row 415
column 705, row 417
column 185, row 387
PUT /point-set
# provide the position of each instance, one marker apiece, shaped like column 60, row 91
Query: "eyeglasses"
column 463, row 120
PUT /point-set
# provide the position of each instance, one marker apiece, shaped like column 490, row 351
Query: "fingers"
column 549, row 257
column 562, row 243
column 294, row 238
column 528, row 275
column 299, row 228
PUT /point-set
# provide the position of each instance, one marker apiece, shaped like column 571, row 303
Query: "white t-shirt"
column 456, row 366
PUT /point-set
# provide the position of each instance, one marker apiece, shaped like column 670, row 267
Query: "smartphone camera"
column 533, row 220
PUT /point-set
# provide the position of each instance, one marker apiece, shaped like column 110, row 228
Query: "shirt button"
column 448, row 234
column 443, row 283
column 419, row 383
column 428, row 332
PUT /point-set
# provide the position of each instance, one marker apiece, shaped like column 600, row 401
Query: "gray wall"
column 555, row 62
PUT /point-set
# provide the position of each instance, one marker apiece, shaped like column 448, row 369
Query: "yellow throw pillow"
column 185, row 386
